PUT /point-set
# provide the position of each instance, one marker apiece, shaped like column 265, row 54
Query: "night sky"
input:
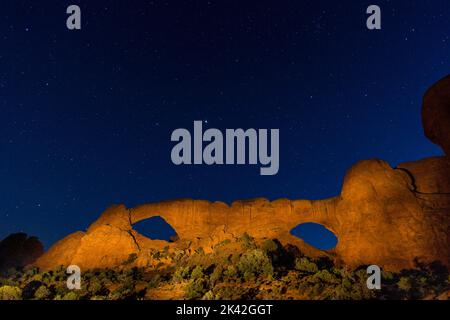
column 86, row 116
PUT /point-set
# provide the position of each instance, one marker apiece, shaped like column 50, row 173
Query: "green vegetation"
column 305, row 265
column 254, row 264
column 196, row 288
column 10, row 293
column 131, row 258
column 235, row 269
column 42, row 293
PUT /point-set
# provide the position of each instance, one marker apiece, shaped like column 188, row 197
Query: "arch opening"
column 156, row 228
column 316, row 235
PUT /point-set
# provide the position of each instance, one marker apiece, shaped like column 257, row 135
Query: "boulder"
column 436, row 114
column 18, row 250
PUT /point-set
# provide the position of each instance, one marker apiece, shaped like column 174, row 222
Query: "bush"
column 387, row 276
column 304, row 265
column 230, row 272
column 10, row 293
column 269, row 246
column 280, row 257
column 404, row 284
column 70, row 296
column 216, row 276
column 196, row 289
column 326, row 276
column 131, row 258
column 30, row 289
column 197, row 273
column 42, row 293
column 247, row 242
column 254, row 264
column 95, row 287
column 154, row 281
column 209, row 296
column 124, row 292
column 234, row 293
column 181, row 274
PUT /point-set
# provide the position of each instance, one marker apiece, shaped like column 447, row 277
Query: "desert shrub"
column 209, row 296
column 196, row 289
column 359, row 287
column 305, row 265
column 404, row 284
column 60, row 290
column 108, row 276
column 123, row 292
column 233, row 293
column 72, row 295
column 42, row 293
column 131, row 258
column 337, row 285
column 10, row 293
column 135, row 273
column 278, row 289
column 37, row 277
column 234, row 258
column 269, row 246
column 326, row 276
column 154, row 281
column 324, row 263
column 216, row 276
column 8, row 282
column 95, row 287
column 247, row 241
column 425, row 280
column 387, row 276
column 46, row 277
column 30, row 289
column 254, row 264
column 178, row 255
column 31, row 272
column 122, row 276
column 197, row 273
column 342, row 291
column 281, row 258
column 230, row 271
column 182, row 273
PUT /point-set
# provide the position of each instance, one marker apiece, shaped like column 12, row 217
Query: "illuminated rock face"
column 385, row 216
column 379, row 218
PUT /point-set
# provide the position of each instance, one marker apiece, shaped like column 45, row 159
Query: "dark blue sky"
column 86, row 116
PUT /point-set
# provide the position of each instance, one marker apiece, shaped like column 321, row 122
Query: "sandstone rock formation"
column 436, row 114
column 19, row 250
column 387, row 216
